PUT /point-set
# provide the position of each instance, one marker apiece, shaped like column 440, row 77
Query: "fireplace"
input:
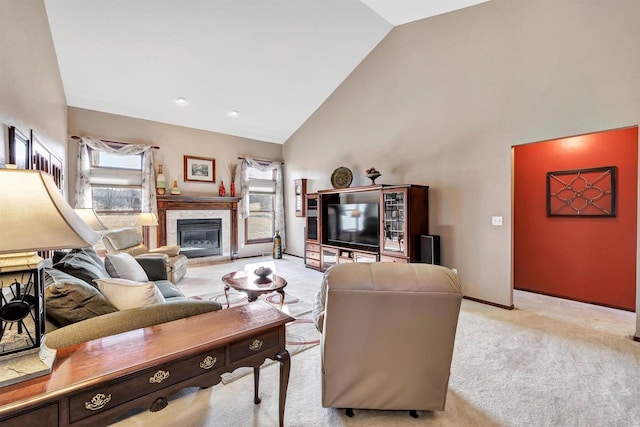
column 172, row 208
column 200, row 237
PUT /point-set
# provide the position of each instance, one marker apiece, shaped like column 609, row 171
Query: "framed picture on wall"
column 19, row 149
column 200, row 169
column 582, row 192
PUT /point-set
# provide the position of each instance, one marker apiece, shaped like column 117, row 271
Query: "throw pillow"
column 69, row 299
column 83, row 264
column 125, row 294
column 124, row 266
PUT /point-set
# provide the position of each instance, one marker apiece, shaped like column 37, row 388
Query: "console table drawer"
column 253, row 345
column 121, row 391
column 45, row 416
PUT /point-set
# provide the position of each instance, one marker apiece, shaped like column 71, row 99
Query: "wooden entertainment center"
column 337, row 221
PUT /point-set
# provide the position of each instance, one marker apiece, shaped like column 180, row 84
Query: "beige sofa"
column 129, row 240
column 388, row 335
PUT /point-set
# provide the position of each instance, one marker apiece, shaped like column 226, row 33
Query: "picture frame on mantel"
column 19, row 149
column 199, row 169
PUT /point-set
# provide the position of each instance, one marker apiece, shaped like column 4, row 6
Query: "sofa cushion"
column 69, row 299
column 125, row 294
column 169, row 290
column 83, row 264
column 154, row 265
column 124, row 266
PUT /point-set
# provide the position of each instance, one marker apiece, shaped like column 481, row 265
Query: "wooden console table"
column 94, row 383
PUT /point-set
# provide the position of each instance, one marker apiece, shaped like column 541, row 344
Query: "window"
column 116, row 182
column 260, row 224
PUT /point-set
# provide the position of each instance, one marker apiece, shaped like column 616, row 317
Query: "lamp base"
column 26, row 365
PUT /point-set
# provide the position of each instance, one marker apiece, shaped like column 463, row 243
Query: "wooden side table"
column 253, row 285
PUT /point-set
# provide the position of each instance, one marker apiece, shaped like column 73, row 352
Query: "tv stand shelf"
column 367, row 224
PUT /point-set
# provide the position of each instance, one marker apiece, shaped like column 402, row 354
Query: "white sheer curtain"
column 83, row 179
column 264, row 166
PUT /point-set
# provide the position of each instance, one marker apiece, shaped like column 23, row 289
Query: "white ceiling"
column 274, row 61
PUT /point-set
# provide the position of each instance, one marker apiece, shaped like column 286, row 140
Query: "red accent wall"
column 585, row 259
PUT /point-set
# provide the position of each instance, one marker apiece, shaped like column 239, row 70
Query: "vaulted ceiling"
column 251, row 68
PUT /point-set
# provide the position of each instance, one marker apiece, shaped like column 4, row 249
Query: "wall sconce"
column 34, row 216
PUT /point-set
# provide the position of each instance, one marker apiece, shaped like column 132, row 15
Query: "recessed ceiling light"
column 181, row 101
column 233, row 113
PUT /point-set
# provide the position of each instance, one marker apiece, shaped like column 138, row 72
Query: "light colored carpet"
column 549, row 362
column 204, row 282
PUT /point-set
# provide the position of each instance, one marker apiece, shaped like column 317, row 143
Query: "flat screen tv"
column 356, row 224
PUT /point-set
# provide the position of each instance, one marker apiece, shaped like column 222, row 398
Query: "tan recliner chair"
column 129, row 240
column 388, row 335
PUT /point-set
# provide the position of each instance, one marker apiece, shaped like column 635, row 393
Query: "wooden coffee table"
column 253, row 286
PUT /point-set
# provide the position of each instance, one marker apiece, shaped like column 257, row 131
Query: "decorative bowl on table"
column 262, row 273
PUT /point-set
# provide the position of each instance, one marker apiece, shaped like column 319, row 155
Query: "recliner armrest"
column 171, row 250
column 155, row 265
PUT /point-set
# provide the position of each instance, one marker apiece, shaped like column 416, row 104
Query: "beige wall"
column 441, row 102
column 31, row 92
column 174, row 142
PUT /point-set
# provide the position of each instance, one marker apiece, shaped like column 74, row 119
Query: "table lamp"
column 34, row 216
column 146, row 220
column 89, row 216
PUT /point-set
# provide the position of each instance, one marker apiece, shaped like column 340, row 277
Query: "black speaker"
column 430, row 249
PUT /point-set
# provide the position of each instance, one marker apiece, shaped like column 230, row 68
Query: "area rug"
column 301, row 333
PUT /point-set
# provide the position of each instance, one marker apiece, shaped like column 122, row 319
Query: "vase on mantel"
column 221, row 190
column 161, row 184
column 232, row 189
column 175, row 190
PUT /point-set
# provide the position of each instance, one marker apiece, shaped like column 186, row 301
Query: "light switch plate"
column 496, row 220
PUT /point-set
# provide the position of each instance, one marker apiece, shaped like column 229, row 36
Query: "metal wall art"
column 582, row 192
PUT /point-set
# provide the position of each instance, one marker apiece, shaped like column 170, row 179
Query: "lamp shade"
column 35, row 217
column 89, row 216
column 147, row 218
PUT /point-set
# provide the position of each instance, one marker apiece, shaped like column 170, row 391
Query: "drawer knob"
column 98, row 402
column 208, row 362
column 158, row 377
column 255, row 345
